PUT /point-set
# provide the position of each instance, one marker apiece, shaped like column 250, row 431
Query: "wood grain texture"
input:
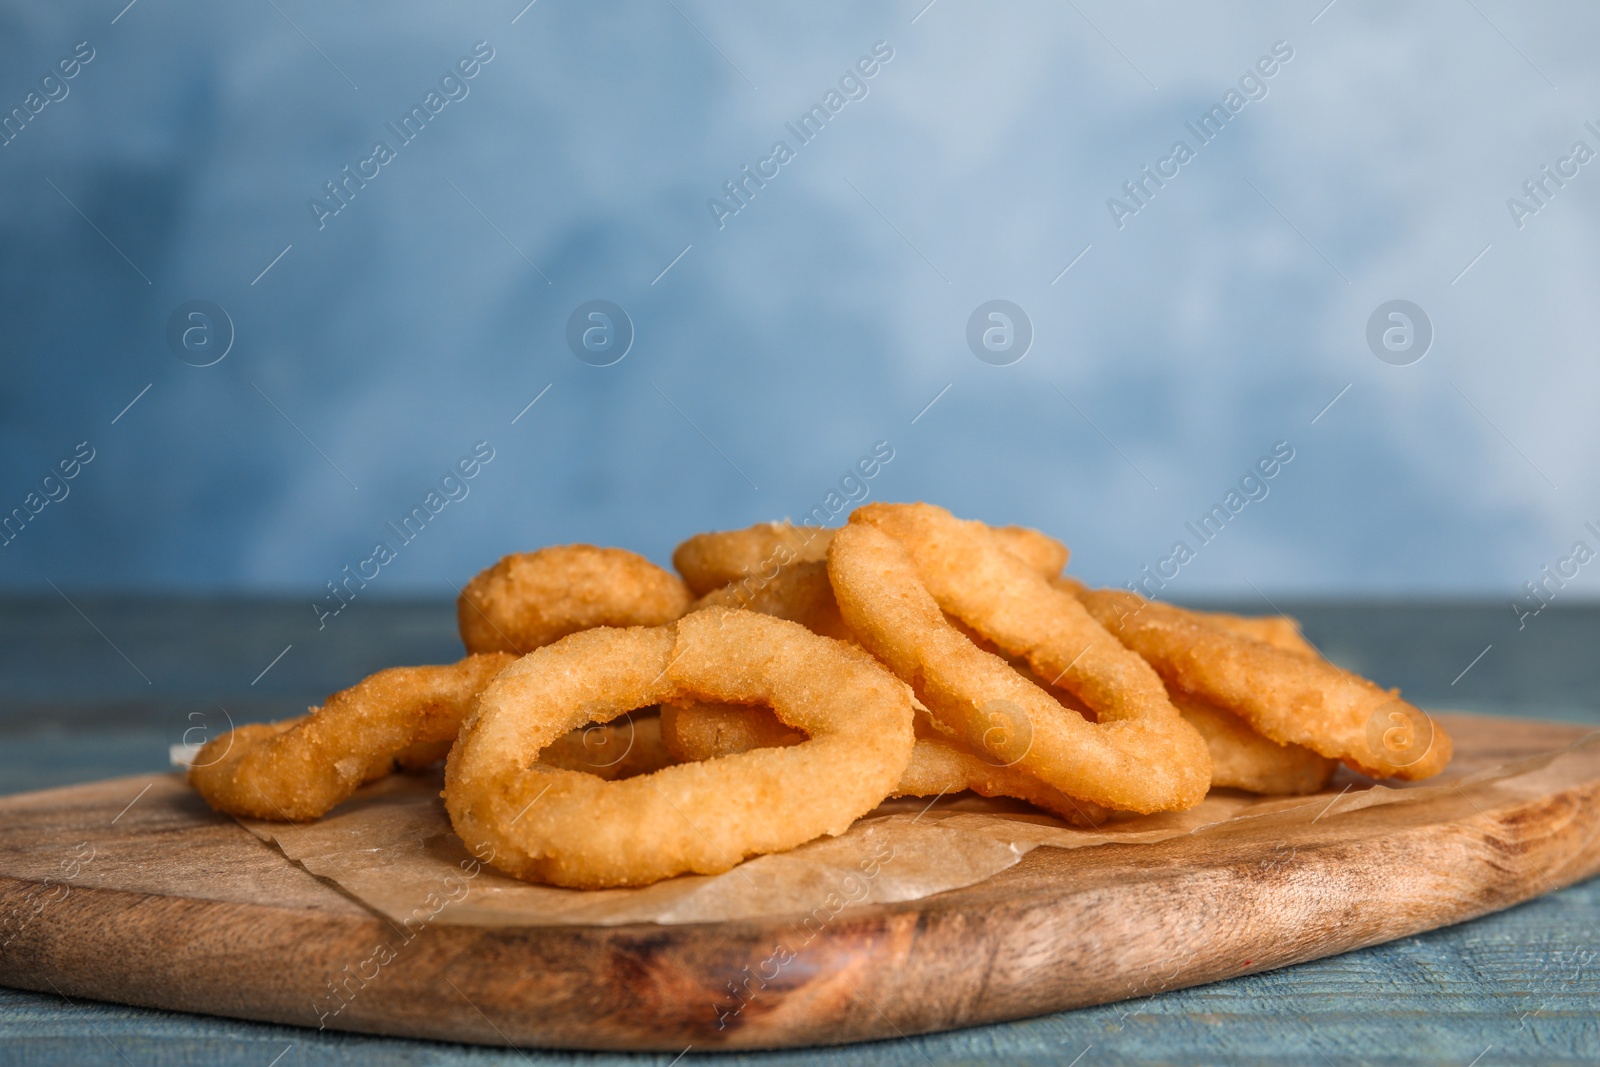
column 182, row 909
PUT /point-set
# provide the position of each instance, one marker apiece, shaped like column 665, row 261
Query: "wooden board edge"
column 649, row 987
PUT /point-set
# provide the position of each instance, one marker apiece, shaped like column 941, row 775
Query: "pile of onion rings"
column 614, row 724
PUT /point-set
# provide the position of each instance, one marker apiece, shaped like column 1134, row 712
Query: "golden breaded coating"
column 1039, row 551
column 760, row 554
column 1244, row 759
column 939, row 767
column 1286, row 696
column 800, row 593
column 301, row 768
column 1279, row 631
column 712, row 560
column 546, row 824
column 1141, row 756
column 621, row 748
column 530, row 599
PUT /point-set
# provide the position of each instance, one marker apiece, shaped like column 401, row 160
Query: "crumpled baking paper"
column 392, row 848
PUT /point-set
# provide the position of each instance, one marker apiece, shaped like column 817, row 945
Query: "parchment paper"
column 392, row 848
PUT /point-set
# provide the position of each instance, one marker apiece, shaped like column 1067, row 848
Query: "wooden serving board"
column 180, row 908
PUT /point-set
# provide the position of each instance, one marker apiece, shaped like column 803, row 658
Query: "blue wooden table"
column 101, row 687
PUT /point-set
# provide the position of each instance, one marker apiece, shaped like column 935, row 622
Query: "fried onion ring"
column 1279, row 631
column 800, row 593
column 1241, row 758
column 1039, row 551
column 422, row 754
column 299, row 769
column 940, row 767
column 709, row 561
column 697, row 730
column 1141, row 757
column 1286, row 696
column 700, row 730
column 1244, row 759
column 530, row 599
column 621, row 748
column 572, row 829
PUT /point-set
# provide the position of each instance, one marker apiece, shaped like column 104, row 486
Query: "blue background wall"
column 823, row 317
